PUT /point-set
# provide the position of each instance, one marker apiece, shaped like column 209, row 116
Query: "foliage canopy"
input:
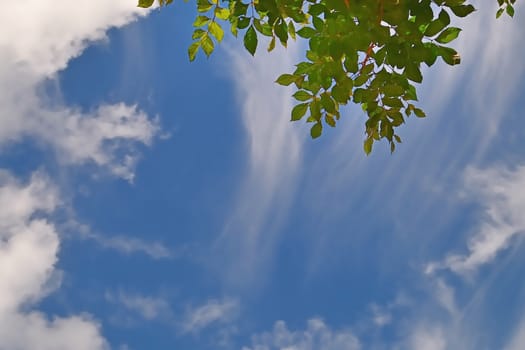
column 368, row 52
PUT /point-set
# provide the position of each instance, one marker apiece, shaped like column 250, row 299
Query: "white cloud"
column 34, row 331
column 381, row 316
column 428, row 339
column 517, row 339
column 491, row 80
column 37, row 41
column 28, row 253
column 317, row 335
column 127, row 245
column 274, row 156
column 502, row 194
column 42, row 39
column 123, row 244
column 211, row 313
column 147, row 307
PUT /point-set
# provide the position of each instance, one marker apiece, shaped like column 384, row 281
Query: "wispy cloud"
column 517, row 339
column 317, row 335
column 129, row 245
column 465, row 104
column 147, row 307
column 121, row 243
column 501, row 192
column 213, row 312
column 428, row 339
column 274, row 156
column 486, row 81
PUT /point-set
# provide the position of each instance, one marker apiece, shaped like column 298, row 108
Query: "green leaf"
column 200, row 21
column 197, row 34
column 250, row 40
column 222, row 13
column 207, row 45
column 341, row 94
column 448, row 35
column 413, row 73
column 286, row 79
column 145, row 3
column 306, row 32
column 204, row 5
column 419, row 113
column 367, row 145
column 281, row 30
column 411, row 93
column 318, row 23
column 299, row 111
column 449, row 55
column 393, row 102
column 500, row 12
column 317, row 9
column 329, row 119
column 271, row 45
column 302, row 95
column 328, row 103
column 438, row 24
column 192, row 50
column 243, row 22
column 463, row 10
column 316, row 130
column 510, row 10
column 291, row 30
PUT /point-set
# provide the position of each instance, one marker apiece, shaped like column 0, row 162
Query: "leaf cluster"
column 367, row 52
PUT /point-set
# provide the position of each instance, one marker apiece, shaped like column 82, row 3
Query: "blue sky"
column 152, row 203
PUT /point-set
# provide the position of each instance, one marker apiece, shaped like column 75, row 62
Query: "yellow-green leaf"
column 448, row 35
column 216, row 30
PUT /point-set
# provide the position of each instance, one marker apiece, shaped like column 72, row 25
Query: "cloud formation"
column 28, row 253
column 274, row 156
column 38, row 41
column 317, row 335
column 212, row 312
column 149, row 308
column 501, row 193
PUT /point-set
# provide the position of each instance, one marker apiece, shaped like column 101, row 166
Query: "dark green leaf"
column 306, row 32
column 413, row 73
column 463, row 10
column 250, row 40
